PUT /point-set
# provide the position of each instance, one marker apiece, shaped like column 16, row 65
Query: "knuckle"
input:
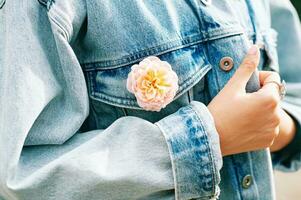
column 270, row 100
column 276, row 119
column 275, row 132
column 274, row 100
column 271, row 136
column 270, row 140
column 267, row 144
column 261, row 97
column 271, row 143
column 250, row 64
column 265, row 99
column 276, row 76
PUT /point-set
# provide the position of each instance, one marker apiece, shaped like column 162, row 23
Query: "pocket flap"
column 109, row 85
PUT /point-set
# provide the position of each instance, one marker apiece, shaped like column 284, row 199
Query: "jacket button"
column 247, row 181
column 206, row 2
column 226, row 63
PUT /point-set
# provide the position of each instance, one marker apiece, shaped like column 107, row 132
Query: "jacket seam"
column 208, row 149
column 186, row 85
column 208, row 152
column 171, row 159
column 158, row 50
column 54, row 16
column 61, row 24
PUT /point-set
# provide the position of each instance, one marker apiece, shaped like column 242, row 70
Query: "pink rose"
column 153, row 82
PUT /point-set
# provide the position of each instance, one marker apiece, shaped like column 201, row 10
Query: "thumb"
column 246, row 69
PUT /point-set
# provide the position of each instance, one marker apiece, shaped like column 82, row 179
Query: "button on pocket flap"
column 109, row 85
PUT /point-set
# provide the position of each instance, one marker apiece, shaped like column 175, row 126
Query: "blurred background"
column 288, row 184
column 297, row 4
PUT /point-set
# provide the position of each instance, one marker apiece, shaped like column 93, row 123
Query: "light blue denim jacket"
column 70, row 130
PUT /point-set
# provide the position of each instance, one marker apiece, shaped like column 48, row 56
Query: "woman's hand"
column 287, row 126
column 247, row 121
column 287, row 131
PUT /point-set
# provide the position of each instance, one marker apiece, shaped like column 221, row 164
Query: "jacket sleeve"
column 44, row 101
column 286, row 22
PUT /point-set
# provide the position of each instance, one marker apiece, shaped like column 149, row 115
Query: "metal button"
column 226, row 63
column 206, row 2
column 247, row 181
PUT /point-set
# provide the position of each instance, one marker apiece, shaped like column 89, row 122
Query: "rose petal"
column 153, row 83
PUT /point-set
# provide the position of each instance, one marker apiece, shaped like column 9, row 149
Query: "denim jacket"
column 70, row 130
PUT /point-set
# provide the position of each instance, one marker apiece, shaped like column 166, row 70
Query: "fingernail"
column 253, row 50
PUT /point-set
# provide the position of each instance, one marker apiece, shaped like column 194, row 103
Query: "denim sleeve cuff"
column 194, row 148
column 288, row 158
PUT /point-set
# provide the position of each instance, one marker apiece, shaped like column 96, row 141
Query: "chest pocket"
column 110, row 97
column 111, row 100
column 175, row 32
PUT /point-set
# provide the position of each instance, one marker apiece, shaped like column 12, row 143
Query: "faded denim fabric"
column 70, row 129
column 192, row 179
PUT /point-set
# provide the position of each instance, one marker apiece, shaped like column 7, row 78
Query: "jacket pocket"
column 190, row 63
column 111, row 100
column 109, row 85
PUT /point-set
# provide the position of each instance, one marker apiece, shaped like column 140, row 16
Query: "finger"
column 267, row 80
column 246, row 69
column 277, row 133
column 271, row 91
column 263, row 75
column 268, row 76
